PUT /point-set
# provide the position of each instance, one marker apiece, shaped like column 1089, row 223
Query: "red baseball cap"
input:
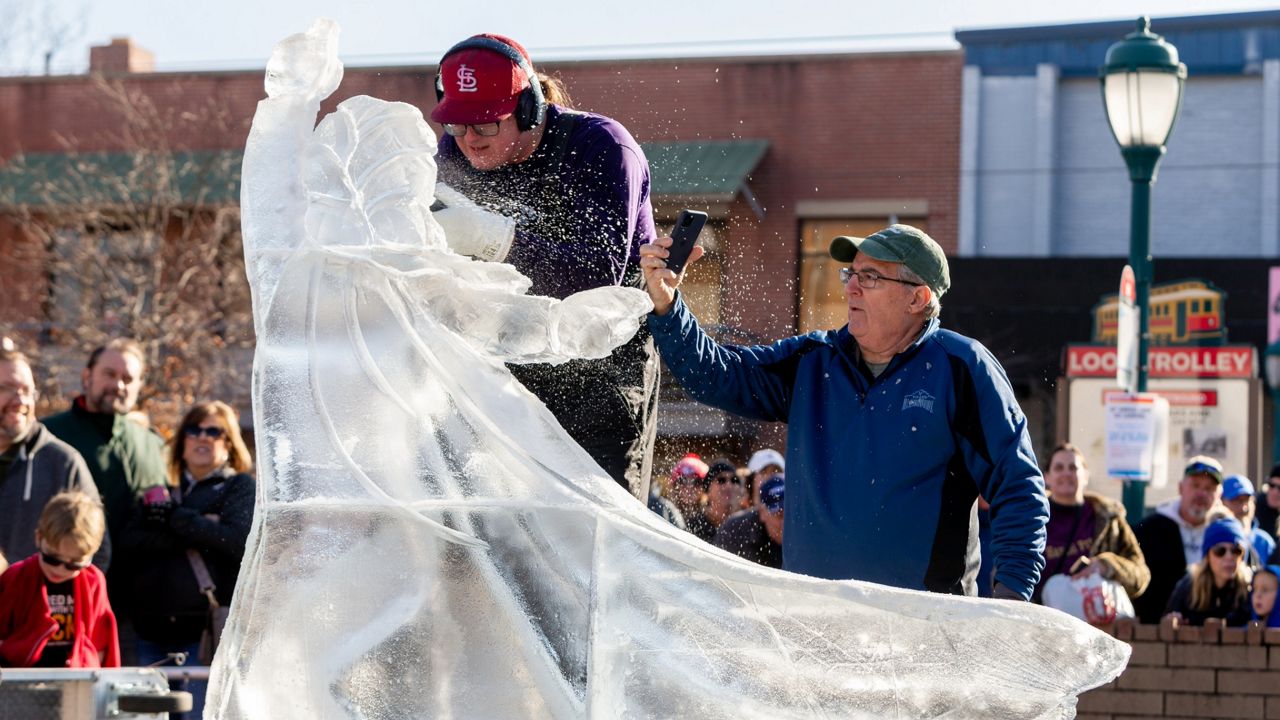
column 480, row 85
column 690, row 466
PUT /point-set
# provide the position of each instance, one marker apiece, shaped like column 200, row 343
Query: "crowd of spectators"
column 1209, row 553
column 121, row 542
column 739, row 510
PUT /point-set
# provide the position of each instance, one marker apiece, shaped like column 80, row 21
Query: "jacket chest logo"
column 918, row 399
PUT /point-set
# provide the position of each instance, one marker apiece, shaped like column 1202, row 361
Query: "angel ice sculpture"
column 430, row 543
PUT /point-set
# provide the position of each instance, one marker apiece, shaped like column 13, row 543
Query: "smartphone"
column 683, row 237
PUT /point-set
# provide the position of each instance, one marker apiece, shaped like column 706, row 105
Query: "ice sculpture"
column 429, row 543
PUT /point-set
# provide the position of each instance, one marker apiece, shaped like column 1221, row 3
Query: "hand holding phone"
column 683, row 237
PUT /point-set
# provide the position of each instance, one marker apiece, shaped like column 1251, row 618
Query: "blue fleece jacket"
column 883, row 474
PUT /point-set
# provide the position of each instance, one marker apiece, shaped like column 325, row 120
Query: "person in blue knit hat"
column 1262, row 595
column 1237, row 495
column 1218, row 585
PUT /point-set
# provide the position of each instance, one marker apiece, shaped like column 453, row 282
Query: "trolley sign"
column 1127, row 333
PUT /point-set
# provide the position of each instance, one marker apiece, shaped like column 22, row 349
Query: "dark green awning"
column 102, row 179
column 706, row 172
column 710, row 170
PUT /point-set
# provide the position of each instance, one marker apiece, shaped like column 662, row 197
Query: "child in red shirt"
column 54, row 610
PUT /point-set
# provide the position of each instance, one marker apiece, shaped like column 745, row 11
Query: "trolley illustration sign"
column 1184, row 312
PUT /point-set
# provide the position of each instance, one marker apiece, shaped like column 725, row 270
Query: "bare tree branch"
column 143, row 242
column 32, row 34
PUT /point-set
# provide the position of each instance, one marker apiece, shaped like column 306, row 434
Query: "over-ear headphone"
column 531, row 107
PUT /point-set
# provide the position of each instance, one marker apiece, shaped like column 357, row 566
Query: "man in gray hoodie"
column 1171, row 537
column 34, row 465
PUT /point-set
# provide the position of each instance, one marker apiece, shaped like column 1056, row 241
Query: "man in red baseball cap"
column 576, row 186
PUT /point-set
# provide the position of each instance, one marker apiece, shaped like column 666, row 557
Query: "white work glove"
column 470, row 229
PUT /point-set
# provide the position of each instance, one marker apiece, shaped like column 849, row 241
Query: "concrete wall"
column 1048, row 178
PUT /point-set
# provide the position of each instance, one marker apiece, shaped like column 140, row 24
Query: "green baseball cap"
column 900, row 244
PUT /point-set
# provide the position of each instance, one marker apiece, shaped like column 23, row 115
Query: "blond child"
column 54, row 610
column 1266, row 581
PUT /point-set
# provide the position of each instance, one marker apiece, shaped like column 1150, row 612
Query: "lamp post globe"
column 1142, row 82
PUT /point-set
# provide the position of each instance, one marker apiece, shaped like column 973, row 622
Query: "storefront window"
column 822, row 303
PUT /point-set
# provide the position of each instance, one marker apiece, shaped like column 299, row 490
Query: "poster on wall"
column 1273, row 306
column 1206, row 417
column 1127, row 337
column 1137, row 437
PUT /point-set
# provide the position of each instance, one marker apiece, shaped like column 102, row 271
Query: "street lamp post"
column 1142, row 92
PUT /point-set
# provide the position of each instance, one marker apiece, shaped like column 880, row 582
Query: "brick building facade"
column 849, row 142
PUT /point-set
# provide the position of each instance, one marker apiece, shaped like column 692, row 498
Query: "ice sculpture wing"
column 430, row 543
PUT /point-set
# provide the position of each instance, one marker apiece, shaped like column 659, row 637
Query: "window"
column 822, row 303
column 703, row 279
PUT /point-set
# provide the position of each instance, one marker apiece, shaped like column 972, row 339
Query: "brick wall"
column 841, row 127
column 1191, row 672
column 849, row 127
column 23, row 291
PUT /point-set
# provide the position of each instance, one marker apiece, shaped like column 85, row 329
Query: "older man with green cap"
column 896, row 425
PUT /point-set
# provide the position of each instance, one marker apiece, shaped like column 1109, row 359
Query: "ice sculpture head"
column 306, row 65
column 370, row 176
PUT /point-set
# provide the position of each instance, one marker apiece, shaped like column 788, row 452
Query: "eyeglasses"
column 488, row 129
column 868, row 279
column 1222, row 550
column 56, row 561
column 25, row 393
column 213, row 433
column 728, row 478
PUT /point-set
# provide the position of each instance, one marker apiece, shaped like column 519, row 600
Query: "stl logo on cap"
column 466, row 79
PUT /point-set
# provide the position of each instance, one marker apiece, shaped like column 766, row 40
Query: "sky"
column 239, row 34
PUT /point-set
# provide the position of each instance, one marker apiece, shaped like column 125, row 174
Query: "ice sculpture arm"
column 303, row 70
column 749, row 381
column 991, row 433
column 521, row 328
column 470, row 229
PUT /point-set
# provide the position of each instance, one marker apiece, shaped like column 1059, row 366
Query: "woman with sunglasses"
column 207, row 508
column 1218, row 585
